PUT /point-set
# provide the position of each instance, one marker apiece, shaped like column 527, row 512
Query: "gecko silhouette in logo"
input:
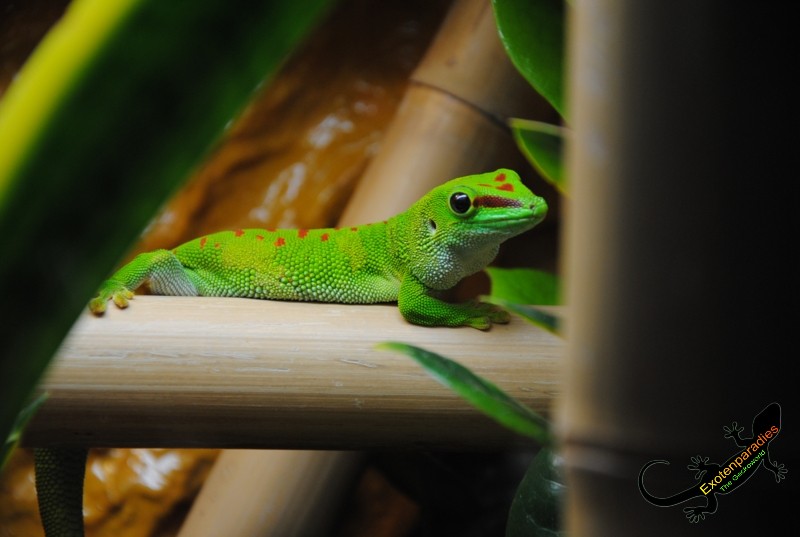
column 713, row 479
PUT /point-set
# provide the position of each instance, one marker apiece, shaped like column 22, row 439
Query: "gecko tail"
column 675, row 499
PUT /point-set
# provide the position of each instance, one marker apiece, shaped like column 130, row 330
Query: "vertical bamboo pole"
column 673, row 262
column 450, row 123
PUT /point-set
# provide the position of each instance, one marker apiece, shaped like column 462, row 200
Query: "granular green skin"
column 59, row 484
column 453, row 231
column 348, row 265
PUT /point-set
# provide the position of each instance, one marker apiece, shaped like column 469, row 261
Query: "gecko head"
column 456, row 230
column 494, row 204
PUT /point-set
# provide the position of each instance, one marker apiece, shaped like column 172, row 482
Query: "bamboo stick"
column 238, row 373
column 271, row 493
column 670, row 339
column 452, row 119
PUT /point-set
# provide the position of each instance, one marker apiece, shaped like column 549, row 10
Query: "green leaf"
column 524, row 285
column 532, row 314
column 532, row 32
column 481, row 393
column 19, row 425
column 112, row 111
column 543, row 146
column 536, row 508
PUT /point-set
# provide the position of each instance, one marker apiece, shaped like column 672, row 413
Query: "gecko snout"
column 539, row 207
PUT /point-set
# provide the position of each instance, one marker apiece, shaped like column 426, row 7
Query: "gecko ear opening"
column 432, row 226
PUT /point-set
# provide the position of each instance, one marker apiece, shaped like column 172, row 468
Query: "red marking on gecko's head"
column 260, row 237
column 324, row 237
column 280, row 242
column 353, row 229
column 203, row 242
column 495, row 201
column 508, row 187
column 301, row 233
column 238, row 232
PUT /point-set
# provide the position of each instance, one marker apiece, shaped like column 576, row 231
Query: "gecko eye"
column 460, row 203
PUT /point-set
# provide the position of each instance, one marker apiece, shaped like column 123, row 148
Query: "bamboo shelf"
column 238, row 373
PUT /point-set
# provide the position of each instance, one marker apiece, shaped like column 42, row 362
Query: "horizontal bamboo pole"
column 238, row 373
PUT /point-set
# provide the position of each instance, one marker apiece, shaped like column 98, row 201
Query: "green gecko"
column 453, row 231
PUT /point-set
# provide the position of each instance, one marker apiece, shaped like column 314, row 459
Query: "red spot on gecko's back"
column 238, row 232
column 203, row 242
column 260, row 237
column 280, row 242
column 301, row 233
column 324, row 237
column 500, row 177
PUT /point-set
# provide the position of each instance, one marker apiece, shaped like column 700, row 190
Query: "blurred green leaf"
column 481, row 393
column 111, row 112
column 536, row 509
column 532, row 32
column 543, row 146
column 532, row 314
column 19, row 425
column 524, row 285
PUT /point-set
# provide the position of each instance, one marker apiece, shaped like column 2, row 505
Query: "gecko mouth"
column 535, row 212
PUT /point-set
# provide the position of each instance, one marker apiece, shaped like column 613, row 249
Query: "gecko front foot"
column 483, row 315
column 734, row 431
column 779, row 470
column 428, row 311
column 110, row 290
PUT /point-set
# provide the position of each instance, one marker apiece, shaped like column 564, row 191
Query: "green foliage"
column 524, row 285
column 532, row 32
column 19, row 425
column 536, row 509
column 543, row 146
column 481, row 393
column 532, row 314
column 109, row 115
column 516, row 289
